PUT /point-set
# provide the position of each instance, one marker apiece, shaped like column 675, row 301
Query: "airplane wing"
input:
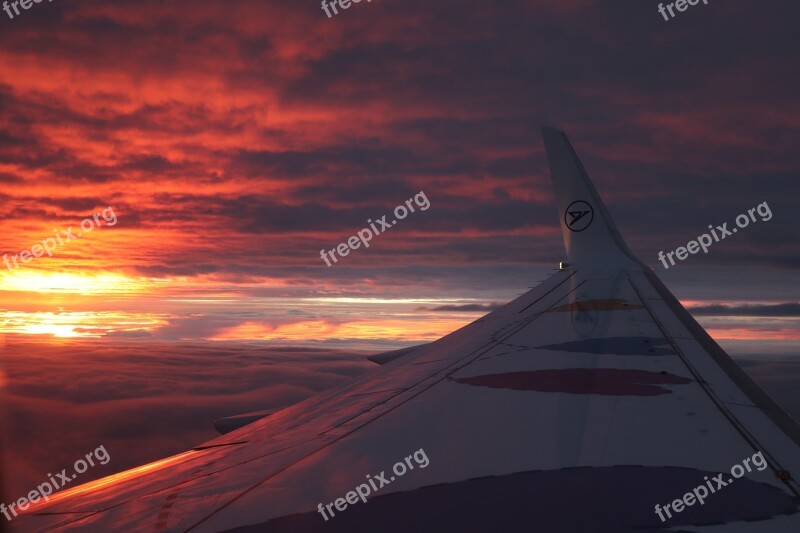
column 586, row 404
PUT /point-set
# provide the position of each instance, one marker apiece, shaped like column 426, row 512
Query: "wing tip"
column 576, row 196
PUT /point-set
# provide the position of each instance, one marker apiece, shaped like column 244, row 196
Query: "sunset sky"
column 234, row 140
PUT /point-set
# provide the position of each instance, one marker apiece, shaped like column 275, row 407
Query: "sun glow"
column 69, row 283
column 79, row 323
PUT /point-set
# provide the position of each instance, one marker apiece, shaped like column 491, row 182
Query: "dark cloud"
column 784, row 309
column 145, row 401
column 243, row 125
column 468, row 308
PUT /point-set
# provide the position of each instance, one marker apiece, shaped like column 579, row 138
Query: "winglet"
column 590, row 235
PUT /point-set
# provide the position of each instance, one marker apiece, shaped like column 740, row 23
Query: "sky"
column 212, row 149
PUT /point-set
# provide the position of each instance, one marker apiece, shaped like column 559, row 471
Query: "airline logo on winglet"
column 579, row 215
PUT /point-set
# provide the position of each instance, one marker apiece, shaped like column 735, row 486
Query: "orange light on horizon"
column 746, row 334
column 415, row 329
column 83, row 324
column 66, row 283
